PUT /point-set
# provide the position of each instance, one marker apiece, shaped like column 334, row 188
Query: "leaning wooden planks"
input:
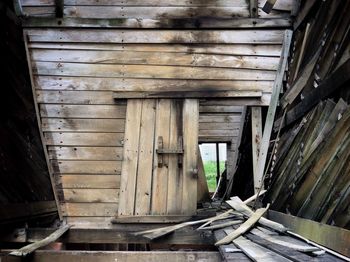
column 314, row 170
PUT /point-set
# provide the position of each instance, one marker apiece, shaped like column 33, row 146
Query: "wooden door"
column 159, row 169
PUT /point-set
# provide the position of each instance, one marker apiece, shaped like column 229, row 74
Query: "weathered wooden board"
column 90, row 181
column 219, row 132
column 158, row 36
column 91, row 195
column 190, row 144
column 127, row 84
column 212, row 49
column 164, row 23
column 218, row 126
column 85, row 153
column 130, row 155
column 89, row 209
column 155, row 58
column 145, row 158
column 82, row 111
column 84, row 139
column 154, row 3
column 148, row 71
column 141, row 12
column 83, row 125
column 87, row 167
column 219, row 118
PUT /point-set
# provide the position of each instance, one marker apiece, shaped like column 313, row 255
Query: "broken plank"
column 257, row 252
column 244, row 227
column 26, row 250
column 265, row 142
column 241, row 207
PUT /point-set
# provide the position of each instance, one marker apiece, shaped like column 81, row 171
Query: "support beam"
column 130, row 256
column 332, row 237
column 256, row 140
column 272, row 108
column 118, row 234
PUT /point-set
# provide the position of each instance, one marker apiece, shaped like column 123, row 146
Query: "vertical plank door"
column 159, row 169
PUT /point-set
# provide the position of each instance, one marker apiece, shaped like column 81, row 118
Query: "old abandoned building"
column 105, row 105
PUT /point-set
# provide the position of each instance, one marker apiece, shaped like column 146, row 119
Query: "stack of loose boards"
column 245, row 235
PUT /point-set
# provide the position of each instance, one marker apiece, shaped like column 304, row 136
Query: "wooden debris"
column 26, row 250
column 244, row 227
column 257, row 252
column 238, row 205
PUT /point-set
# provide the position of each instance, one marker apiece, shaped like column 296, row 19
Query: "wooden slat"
column 85, row 153
column 190, row 143
column 145, row 158
column 185, row 94
column 151, row 12
column 174, row 194
column 89, row 209
column 265, row 142
column 160, row 174
column 75, row 97
column 219, row 132
column 220, row 109
column 159, row 36
column 40, row 11
column 212, row 49
column 90, row 181
column 171, row 23
column 87, row 167
column 82, row 111
column 198, row 3
column 84, row 139
column 130, row 158
column 115, row 84
column 149, row 71
column 222, row 118
column 256, row 139
column 257, row 252
column 153, row 58
column 218, row 126
column 91, row 195
column 83, row 125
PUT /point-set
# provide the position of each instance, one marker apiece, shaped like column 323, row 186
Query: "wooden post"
column 217, row 163
column 256, row 139
column 264, row 146
column 253, row 8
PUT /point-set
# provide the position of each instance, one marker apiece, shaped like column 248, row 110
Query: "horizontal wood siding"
column 76, row 71
column 154, row 9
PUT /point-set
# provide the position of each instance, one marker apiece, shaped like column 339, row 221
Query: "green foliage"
column 210, row 173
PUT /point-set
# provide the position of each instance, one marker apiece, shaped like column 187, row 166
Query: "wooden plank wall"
column 75, row 71
column 155, row 10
